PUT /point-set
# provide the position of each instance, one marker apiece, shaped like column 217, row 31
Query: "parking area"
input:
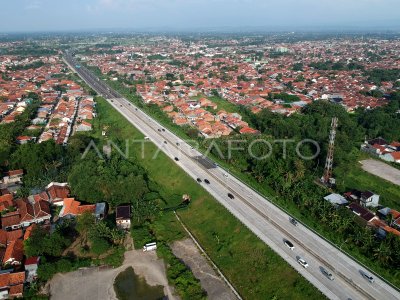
column 381, row 170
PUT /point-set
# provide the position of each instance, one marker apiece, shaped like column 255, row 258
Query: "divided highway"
column 267, row 221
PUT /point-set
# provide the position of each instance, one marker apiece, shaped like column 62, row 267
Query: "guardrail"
column 271, row 202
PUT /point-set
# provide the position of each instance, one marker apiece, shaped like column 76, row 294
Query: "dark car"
column 177, row 144
column 293, row 221
column 367, row 276
column 163, row 129
column 206, row 181
column 198, row 180
column 231, row 196
column 165, row 142
column 177, row 159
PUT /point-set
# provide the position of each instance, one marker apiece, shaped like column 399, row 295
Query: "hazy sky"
column 37, row 15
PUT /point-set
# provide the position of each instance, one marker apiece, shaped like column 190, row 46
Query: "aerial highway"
column 334, row 273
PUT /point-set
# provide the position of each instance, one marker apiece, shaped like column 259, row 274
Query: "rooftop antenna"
column 327, row 178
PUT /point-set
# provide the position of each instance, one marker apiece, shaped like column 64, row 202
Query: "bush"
column 116, row 258
column 187, row 286
column 141, row 235
column 99, row 245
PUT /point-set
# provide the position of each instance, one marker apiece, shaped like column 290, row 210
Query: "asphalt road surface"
column 263, row 218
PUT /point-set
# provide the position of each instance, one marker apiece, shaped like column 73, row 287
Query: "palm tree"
column 383, row 253
column 358, row 237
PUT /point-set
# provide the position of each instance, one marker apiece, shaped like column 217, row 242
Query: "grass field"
column 357, row 178
column 252, row 267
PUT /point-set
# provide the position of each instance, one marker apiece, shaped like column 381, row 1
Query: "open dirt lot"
column 382, row 170
column 210, row 281
column 95, row 284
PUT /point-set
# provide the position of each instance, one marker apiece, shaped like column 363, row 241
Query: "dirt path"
column 95, row 284
column 210, row 281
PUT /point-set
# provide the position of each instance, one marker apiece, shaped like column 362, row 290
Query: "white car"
column 302, row 262
column 289, row 244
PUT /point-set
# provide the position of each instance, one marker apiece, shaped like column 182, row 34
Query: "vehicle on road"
column 206, row 181
column 150, row 247
column 327, row 273
column 367, row 276
column 199, row 180
column 302, row 262
column 226, row 175
column 159, row 129
column 165, row 142
column 231, row 196
column 293, row 221
column 289, row 244
column 146, row 138
column 177, row 159
column 162, row 129
column 177, row 143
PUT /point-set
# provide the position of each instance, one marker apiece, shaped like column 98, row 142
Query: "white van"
column 146, row 138
column 150, row 247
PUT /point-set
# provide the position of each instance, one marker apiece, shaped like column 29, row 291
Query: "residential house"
column 11, row 285
column 13, row 177
column 123, row 216
column 392, row 157
column 365, row 216
column 6, row 202
column 336, row 200
column 57, row 192
column 365, row 199
column 31, row 267
column 72, row 208
column 26, row 214
column 369, row 199
column 14, row 253
column 84, row 126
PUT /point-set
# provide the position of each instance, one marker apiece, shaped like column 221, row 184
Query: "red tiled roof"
column 34, row 260
column 3, row 237
column 395, row 155
column 15, row 251
column 16, row 172
column 14, row 235
column 28, row 231
column 10, row 219
column 16, row 290
column 73, row 207
column 6, row 201
column 12, row 279
column 58, row 192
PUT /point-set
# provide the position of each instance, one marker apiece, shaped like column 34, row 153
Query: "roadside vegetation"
column 288, row 182
column 211, row 224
